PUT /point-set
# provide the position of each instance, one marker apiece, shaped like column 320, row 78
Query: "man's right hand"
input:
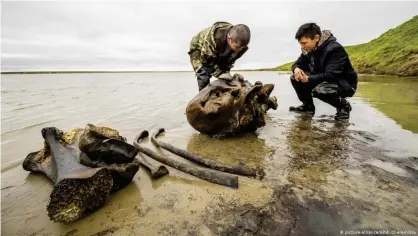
column 298, row 74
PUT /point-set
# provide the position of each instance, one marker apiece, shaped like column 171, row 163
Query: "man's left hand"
column 305, row 78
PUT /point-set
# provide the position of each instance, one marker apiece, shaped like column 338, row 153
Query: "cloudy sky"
column 145, row 35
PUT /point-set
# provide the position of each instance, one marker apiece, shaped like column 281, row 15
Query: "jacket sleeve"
column 302, row 63
column 201, row 60
column 334, row 65
column 200, row 65
column 202, row 51
column 207, row 52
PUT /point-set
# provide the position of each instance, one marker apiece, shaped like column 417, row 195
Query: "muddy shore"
column 322, row 177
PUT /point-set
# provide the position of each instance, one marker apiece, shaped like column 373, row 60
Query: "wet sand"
column 322, row 176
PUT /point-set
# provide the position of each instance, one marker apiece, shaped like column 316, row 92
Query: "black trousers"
column 332, row 93
column 202, row 81
column 203, row 76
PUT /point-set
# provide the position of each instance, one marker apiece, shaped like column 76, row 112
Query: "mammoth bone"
column 202, row 173
column 85, row 167
column 103, row 146
column 240, row 170
column 227, row 107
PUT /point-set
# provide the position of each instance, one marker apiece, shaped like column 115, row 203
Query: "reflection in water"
column 395, row 97
column 317, row 148
column 248, row 149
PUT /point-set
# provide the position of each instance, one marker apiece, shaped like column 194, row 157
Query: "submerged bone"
column 80, row 188
column 105, row 144
column 229, row 107
column 202, row 173
column 240, row 170
column 77, row 189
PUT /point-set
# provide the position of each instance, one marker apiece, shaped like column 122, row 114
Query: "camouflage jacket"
column 209, row 49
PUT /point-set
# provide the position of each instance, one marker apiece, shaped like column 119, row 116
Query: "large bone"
column 122, row 173
column 240, row 170
column 205, row 174
column 124, row 179
column 264, row 97
column 225, row 108
column 104, row 145
column 77, row 189
column 156, row 171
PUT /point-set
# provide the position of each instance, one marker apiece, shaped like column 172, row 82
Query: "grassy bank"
column 393, row 53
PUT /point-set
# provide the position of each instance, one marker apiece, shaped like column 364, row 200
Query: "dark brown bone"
column 156, row 171
column 240, row 170
column 225, row 108
column 77, row 189
column 103, row 143
column 205, row 174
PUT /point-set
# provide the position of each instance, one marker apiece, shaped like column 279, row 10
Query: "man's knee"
column 325, row 89
column 347, row 90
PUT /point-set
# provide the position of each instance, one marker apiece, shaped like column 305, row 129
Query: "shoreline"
column 114, row 72
column 359, row 74
column 338, row 174
column 82, row 72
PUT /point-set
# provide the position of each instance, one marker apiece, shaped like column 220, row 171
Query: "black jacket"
column 328, row 62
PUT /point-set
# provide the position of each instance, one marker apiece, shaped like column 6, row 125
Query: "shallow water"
column 366, row 168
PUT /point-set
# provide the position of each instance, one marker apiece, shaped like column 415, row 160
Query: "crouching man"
column 323, row 71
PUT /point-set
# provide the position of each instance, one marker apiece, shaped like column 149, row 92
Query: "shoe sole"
column 342, row 118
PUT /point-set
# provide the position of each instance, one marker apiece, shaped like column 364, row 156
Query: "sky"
column 155, row 35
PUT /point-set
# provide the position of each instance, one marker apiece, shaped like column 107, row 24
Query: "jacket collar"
column 326, row 37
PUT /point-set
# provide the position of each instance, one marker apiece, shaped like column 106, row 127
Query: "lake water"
column 367, row 161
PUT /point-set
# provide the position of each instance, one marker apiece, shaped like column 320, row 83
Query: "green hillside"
column 393, row 53
column 285, row 67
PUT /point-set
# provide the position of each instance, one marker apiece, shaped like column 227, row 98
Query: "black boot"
column 343, row 112
column 303, row 108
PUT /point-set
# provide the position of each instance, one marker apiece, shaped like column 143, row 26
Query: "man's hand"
column 298, row 73
column 305, row 78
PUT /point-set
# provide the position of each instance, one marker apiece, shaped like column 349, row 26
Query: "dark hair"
column 240, row 34
column 308, row 30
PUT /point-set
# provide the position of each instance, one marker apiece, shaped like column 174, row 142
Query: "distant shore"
column 244, row 70
column 82, row 72
column 100, row 71
column 103, row 71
